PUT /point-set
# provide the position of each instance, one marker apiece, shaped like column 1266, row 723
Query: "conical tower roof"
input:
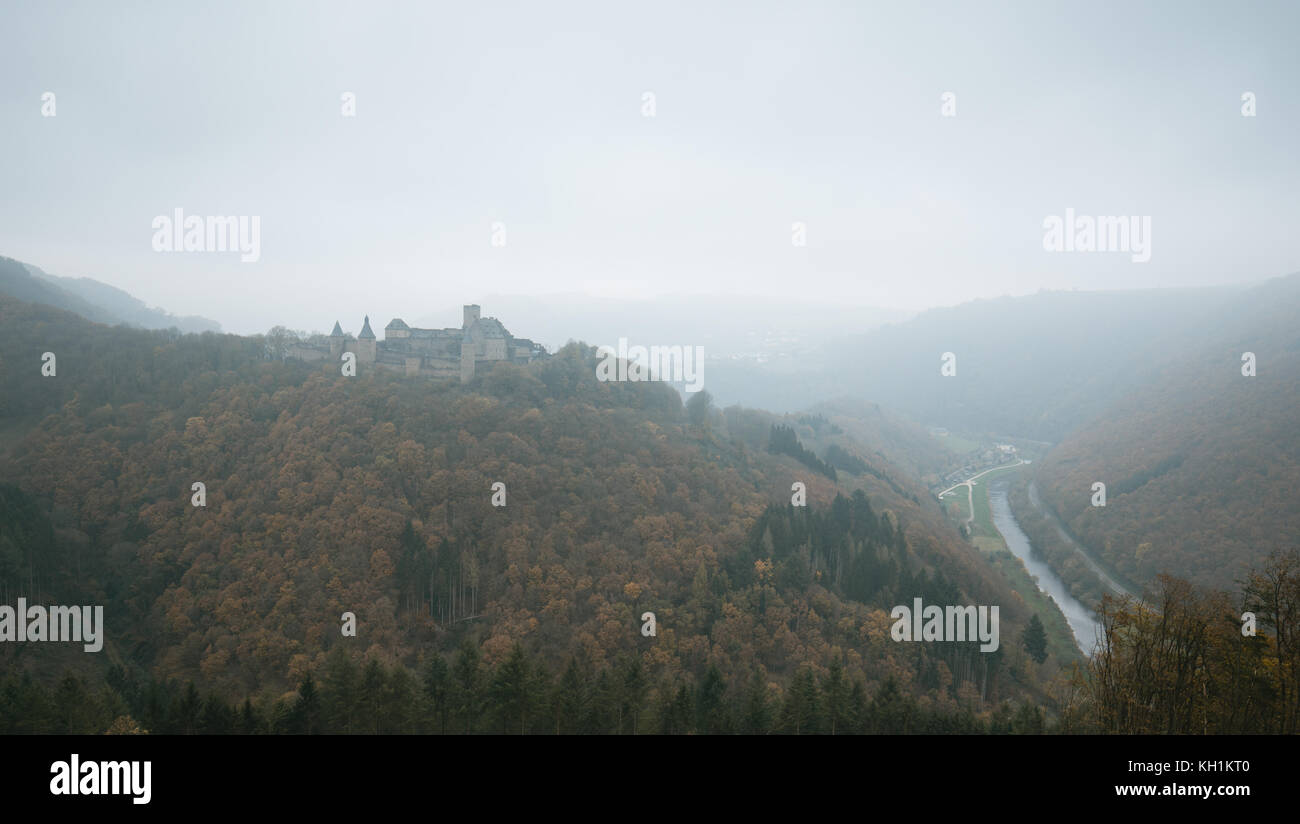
column 365, row 333
column 338, row 331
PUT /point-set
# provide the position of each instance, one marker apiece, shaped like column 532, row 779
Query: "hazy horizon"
column 602, row 319
column 534, row 121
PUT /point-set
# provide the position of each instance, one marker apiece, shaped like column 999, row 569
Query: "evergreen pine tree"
column 710, row 706
column 512, row 693
column 799, row 715
column 756, row 717
column 467, row 680
column 437, row 693
column 835, row 692
column 1035, row 640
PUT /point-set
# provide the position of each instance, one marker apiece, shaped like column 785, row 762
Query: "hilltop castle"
column 437, row 353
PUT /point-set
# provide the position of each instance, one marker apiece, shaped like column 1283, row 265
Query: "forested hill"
column 91, row 299
column 373, row 495
column 1201, row 463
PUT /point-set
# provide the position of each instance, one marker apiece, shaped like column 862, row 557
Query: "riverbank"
column 1080, row 618
column 1107, row 578
column 977, row 517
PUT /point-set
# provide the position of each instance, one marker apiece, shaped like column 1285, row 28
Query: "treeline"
column 784, row 441
column 27, row 545
column 462, row 695
column 1178, row 661
column 818, row 422
column 373, row 496
column 861, row 556
column 847, row 548
column 840, row 458
column 97, row 365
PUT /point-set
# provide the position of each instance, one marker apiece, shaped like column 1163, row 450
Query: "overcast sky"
column 531, row 115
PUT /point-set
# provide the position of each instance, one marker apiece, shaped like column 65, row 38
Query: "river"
column 1082, row 621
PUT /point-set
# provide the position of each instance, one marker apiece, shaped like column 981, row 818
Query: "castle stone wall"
column 436, row 353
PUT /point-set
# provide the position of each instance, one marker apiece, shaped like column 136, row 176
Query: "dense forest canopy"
column 372, row 495
column 1201, row 462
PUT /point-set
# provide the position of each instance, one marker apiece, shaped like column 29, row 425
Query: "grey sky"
column 530, row 114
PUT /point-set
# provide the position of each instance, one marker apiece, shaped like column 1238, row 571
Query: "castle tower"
column 396, row 329
column 471, row 315
column 468, row 349
column 367, row 348
column 336, row 342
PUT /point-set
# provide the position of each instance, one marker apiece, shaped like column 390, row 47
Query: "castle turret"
column 336, row 341
column 471, row 315
column 367, row 348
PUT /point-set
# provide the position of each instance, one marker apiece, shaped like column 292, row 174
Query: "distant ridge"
column 92, row 299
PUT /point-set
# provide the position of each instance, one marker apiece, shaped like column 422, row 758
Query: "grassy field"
column 954, row 503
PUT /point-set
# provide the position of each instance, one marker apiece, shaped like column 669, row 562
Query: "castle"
column 436, row 353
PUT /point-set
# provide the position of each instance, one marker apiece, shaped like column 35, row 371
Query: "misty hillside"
column 1201, row 464
column 17, row 282
column 92, row 299
column 372, row 494
column 1030, row 367
column 893, row 438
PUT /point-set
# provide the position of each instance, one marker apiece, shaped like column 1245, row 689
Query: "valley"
column 381, row 496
